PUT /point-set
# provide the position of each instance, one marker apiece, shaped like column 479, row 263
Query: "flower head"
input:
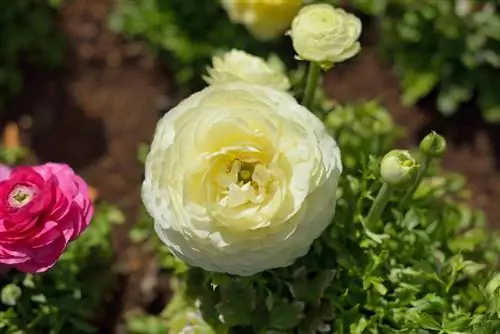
column 265, row 19
column 237, row 65
column 324, row 34
column 42, row 209
column 241, row 178
column 398, row 168
column 433, row 145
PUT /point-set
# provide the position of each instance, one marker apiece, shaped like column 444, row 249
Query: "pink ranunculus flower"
column 4, row 173
column 42, row 209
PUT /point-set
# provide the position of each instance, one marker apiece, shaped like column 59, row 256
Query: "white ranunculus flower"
column 240, row 178
column 236, row 65
column 264, row 19
column 324, row 34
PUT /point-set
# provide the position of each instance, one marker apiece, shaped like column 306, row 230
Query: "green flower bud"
column 10, row 294
column 398, row 168
column 433, row 145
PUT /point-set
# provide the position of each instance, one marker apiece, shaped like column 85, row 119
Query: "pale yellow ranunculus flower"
column 236, row 65
column 265, row 19
column 324, row 34
column 240, row 178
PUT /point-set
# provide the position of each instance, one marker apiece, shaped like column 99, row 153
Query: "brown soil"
column 95, row 112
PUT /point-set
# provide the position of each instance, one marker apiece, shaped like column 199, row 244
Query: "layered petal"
column 240, row 178
column 42, row 209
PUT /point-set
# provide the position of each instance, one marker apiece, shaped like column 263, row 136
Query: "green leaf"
column 426, row 321
column 312, row 290
column 10, row 294
column 417, row 85
column 493, row 284
column 286, row 315
column 451, row 96
column 237, row 302
column 458, row 324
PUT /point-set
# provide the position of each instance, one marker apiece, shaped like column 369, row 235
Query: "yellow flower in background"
column 240, row 178
column 236, row 65
column 265, row 19
column 324, row 34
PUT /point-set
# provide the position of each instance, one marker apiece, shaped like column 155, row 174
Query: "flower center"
column 243, row 182
column 20, row 196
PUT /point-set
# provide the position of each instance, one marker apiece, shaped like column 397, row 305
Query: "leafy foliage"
column 65, row 299
column 28, row 34
column 187, row 34
column 426, row 268
column 452, row 46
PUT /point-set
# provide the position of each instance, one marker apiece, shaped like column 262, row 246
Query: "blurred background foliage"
column 187, row 34
column 451, row 47
column 28, row 35
column 448, row 46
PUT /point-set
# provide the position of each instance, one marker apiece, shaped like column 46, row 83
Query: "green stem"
column 378, row 205
column 311, row 84
column 420, row 175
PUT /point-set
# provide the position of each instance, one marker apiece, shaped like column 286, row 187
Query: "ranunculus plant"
column 241, row 178
column 265, row 19
column 267, row 232
column 237, row 65
column 42, row 209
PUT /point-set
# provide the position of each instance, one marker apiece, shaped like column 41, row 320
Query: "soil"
column 94, row 112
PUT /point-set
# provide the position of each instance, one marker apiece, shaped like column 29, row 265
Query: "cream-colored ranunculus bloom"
column 324, row 34
column 265, row 19
column 240, row 178
column 236, row 65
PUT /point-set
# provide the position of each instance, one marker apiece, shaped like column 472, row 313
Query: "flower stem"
column 420, row 175
column 378, row 205
column 311, row 84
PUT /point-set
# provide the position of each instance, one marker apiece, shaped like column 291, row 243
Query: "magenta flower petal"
column 4, row 172
column 42, row 209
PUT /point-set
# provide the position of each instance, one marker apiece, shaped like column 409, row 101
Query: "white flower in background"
column 463, row 7
column 265, row 19
column 236, row 65
column 240, row 178
column 324, row 34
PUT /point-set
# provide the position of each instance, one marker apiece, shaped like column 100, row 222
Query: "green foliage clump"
column 187, row 34
column 449, row 46
column 68, row 297
column 28, row 35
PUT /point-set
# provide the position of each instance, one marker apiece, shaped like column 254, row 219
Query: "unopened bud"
column 433, row 145
column 398, row 168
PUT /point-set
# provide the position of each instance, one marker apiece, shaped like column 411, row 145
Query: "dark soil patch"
column 92, row 114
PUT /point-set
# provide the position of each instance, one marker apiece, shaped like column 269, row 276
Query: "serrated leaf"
column 312, row 290
column 237, row 302
column 286, row 315
column 416, row 85
column 426, row 321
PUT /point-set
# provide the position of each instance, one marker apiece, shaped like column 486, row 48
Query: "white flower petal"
column 197, row 183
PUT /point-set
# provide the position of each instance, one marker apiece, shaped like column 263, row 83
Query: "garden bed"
column 95, row 112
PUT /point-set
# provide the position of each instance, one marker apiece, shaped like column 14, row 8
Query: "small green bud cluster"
column 433, row 145
column 398, row 168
